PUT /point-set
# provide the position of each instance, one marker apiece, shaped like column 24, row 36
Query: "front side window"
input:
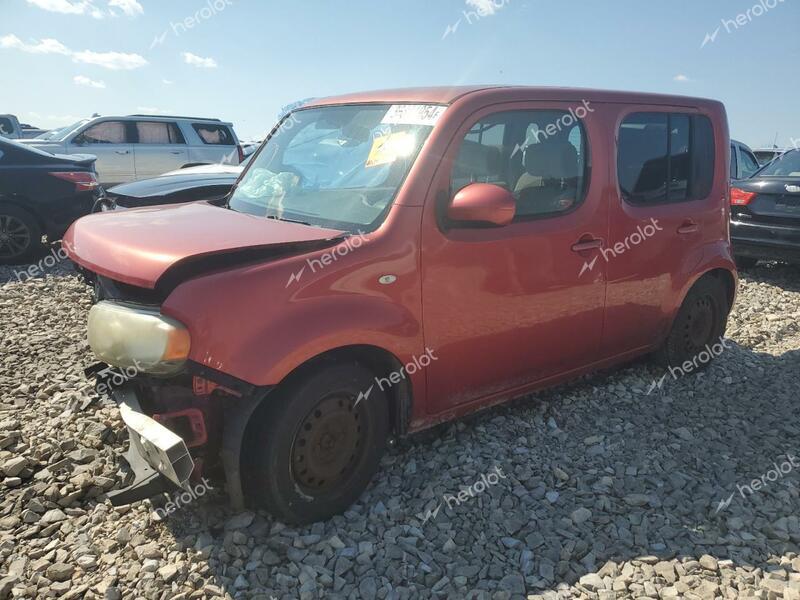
column 663, row 157
column 215, row 135
column 541, row 156
column 786, row 165
column 335, row 166
column 154, row 132
column 107, row 132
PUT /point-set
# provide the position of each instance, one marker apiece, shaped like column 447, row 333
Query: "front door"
column 508, row 306
column 110, row 142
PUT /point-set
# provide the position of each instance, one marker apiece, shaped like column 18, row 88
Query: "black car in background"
column 765, row 213
column 41, row 194
column 206, row 182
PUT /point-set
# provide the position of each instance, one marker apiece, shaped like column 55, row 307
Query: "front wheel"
column 314, row 447
column 699, row 325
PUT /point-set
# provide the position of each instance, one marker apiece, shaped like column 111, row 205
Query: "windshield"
column 338, row 166
column 786, row 165
column 56, row 135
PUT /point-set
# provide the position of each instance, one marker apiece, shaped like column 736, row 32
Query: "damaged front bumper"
column 177, row 428
column 159, row 458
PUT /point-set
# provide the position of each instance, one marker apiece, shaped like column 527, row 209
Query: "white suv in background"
column 143, row 146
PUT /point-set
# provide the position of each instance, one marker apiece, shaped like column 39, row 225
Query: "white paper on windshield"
column 413, row 114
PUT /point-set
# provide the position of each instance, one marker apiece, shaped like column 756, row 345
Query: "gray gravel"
column 594, row 490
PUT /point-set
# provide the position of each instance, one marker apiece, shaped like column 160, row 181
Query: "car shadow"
column 658, row 475
column 786, row 276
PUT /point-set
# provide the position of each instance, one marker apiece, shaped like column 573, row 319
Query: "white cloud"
column 681, row 78
column 115, row 61
column 45, row 46
column 62, row 120
column 199, row 61
column 66, row 7
column 130, row 8
column 167, row 82
column 86, row 82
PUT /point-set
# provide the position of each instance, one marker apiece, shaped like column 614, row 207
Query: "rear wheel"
column 315, row 447
column 20, row 236
column 699, row 325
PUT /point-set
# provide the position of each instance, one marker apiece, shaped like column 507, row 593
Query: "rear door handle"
column 176, row 152
column 688, row 227
column 584, row 245
column 123, row 151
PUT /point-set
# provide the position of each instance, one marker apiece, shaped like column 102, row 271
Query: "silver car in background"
column 143, row 146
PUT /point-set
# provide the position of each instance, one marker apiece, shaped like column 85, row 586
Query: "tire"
column 313, row 449
column 746, row 262
column 20, row 236
column 699, row 324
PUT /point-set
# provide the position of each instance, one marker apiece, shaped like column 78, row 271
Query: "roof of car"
column 448, row 95
column 176, row 117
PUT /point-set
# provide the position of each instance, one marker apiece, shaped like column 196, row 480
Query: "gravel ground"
column 597, row 489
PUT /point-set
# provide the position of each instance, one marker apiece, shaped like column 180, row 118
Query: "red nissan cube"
column 392, row 260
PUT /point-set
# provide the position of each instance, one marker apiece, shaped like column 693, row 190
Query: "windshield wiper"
column 276, row 218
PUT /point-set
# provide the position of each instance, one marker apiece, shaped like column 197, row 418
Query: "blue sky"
column 245, row 59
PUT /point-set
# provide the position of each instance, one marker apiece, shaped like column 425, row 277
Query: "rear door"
column 112, row 143
column 159, row 147
column 665, row 208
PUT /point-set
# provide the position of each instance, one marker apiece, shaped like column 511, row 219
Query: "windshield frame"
column 62, row 132
column 413, row 160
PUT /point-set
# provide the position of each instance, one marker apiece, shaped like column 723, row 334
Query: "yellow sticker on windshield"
column 388, row 148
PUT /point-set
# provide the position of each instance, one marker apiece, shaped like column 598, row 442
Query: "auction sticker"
column 413, row 114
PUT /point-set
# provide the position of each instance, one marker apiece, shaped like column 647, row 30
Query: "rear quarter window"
column 665, row 157
column 214, row 135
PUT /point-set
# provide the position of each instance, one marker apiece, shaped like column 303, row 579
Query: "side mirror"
column 482, row 204
column 79, row 140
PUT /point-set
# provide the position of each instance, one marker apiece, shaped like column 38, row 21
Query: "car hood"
column 169, row 184
column 141, row 246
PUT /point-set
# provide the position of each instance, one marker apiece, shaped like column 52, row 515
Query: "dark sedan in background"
column 206, row 182
column 765, row 213
column 41, row 194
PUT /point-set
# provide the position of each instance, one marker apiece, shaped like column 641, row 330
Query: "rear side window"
column 107, row 132
column 216, row 135
column 749, row 164
column 541, row 156
column 154, row 132
column 664, row 157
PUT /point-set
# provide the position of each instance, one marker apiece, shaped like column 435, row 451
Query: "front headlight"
column 142, row 338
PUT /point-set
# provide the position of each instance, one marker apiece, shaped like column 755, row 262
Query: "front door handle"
column 176, row 152
column 123, row 151
column 688, row 227
column 587, row 244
